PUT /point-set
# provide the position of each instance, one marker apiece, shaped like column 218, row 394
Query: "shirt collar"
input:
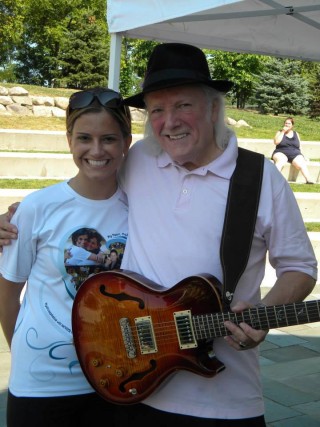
column 223, row 166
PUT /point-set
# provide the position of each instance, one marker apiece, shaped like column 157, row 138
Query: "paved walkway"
column 290, row 366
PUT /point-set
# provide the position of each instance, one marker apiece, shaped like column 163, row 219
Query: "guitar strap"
column 240, row 219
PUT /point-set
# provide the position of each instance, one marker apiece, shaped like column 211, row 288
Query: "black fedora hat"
column 175, row 64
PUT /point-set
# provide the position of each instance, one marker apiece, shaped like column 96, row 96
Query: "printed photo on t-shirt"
column 87, row 252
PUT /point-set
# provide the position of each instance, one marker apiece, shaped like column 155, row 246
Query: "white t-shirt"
column 175, row 221
column 44, row 361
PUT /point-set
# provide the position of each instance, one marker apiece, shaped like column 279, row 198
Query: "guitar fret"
column 212, row 325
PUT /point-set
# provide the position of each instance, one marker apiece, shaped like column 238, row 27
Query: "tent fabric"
column 283, row 28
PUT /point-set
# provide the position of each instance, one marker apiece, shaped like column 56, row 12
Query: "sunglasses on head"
column 107, row 98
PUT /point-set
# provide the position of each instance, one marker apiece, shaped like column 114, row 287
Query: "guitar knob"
column 104, row 383
column 96, row 362
column 119, row 372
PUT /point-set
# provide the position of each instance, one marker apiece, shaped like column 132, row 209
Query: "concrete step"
column 36, row 140
column 310, row 149
column 58, row 165
column 36, row 165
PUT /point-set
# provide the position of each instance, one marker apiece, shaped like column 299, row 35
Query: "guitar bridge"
column 184, row 329
column 127, row 338
column 146, row 335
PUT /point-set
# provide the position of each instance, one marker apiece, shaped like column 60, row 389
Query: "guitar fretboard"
column 212, row 325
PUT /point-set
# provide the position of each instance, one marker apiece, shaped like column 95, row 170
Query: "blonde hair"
column 121, row 115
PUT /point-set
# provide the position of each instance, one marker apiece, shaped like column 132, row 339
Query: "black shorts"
column 291, row 155
column 67, row 411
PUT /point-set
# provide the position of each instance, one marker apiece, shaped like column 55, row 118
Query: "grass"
column 41, row 183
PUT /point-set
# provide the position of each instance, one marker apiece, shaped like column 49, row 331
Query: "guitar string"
column 211, row 325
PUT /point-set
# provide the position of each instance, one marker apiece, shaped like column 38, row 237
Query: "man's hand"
column 243, row 336
column 7, row 230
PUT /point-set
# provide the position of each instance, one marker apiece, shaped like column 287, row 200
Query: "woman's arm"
column 278, row 137
column 9, row 306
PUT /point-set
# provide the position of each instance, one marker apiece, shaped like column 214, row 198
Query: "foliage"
column 135, row 57
column 84, row 55
column 281, row 89
column 242, row 69
column 47, row 24
column 11, row 27
column 314, row 106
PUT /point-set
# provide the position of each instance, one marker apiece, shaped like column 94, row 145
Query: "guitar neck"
column 208, row 326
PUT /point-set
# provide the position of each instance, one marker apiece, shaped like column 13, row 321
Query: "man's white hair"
column 222, row 133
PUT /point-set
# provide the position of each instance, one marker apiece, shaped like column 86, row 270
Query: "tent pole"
column 114, row 61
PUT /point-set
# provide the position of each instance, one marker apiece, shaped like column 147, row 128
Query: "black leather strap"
column 240, row 219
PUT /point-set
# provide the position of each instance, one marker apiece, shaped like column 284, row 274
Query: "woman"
column 46, row 385
column 287, row 143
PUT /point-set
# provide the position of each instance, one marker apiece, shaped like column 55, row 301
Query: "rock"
column 19, row 110
column 4, row 111
column 18, row 91
column 5, row 100
column 42, row 111
column 242, row 123
column 49, row 101
column 137, row 115
column 3, row 91
column 230, row 121
column 58, row 112
column 22, row 100
column 37, row 100
column 61, row 102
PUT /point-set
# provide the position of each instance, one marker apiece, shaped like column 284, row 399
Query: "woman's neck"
column 95, row 190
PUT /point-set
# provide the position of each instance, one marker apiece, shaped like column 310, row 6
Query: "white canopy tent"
column 284, row 28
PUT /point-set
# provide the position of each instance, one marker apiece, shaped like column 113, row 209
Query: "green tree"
column 311, row 72
column 11, row 26
column 84, row 54
column 135, row 55
column 314, row 105
column 241, row 68
column 282, row 89
column 47, row 25
column 11, row 29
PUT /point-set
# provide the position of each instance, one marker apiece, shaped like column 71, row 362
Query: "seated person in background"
column 287, row 143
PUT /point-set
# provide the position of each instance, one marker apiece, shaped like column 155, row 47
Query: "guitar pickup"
column 146, row 335
column 185, row 329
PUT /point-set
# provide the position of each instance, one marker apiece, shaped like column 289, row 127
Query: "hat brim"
column 137, row 100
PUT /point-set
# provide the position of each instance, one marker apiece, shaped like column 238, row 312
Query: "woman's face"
column 97, row 145
column 288, row 124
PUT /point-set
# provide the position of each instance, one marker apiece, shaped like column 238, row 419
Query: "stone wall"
column 17, row 101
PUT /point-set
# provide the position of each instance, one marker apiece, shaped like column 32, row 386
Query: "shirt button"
column 184, row 191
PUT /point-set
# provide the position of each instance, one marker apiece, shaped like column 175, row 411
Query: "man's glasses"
column 107, row 98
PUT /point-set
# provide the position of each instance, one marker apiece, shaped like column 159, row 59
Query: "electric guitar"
column 130, row 334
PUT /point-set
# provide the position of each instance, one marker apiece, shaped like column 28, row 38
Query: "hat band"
column 173, row 74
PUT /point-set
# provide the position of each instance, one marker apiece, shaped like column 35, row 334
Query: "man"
column 177, row 182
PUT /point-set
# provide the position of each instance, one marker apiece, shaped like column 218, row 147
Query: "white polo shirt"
column 175, row 226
